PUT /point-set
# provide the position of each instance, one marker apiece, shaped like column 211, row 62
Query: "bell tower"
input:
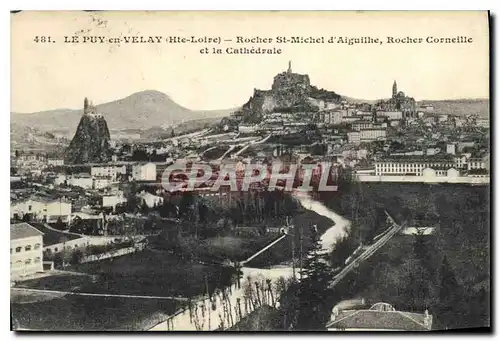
column 394, row 89
column 289, row 67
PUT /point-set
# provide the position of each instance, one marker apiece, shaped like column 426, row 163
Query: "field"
column 146, row 273
column 78, row 313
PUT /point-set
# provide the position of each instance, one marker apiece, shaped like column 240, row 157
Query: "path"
column 44, row 291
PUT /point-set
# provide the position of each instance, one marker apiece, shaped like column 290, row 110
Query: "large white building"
column 411, row 165
column 478, row 163
column 366, row 135
column 42, row 209
column 144, row 172
column 26, row 255
column 108, row 171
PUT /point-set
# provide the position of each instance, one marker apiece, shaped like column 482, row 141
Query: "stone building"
column 399, row 102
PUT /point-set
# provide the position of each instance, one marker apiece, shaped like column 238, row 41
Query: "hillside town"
column 77, row 216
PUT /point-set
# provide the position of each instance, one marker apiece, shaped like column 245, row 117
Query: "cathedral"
column 399, row 102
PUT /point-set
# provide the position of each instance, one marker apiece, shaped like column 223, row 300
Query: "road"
column 369, row 251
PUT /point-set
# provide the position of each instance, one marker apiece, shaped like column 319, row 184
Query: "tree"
column 314, row 288
column 60, row 225
column 132, row 200
column 450, row 295
column 76, row 257
column 144, row 208
column 58, row 260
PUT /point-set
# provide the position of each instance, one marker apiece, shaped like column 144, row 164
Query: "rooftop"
column 381, row 316
column 51, row 236
column 23, row 230
column 421, row 158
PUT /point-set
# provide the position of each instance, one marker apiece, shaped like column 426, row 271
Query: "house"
column 379, row 317
column 102, row 182
column 26, row 255
column 149, row 199
column 82, row 180
column 391, row 115
column 450, row 148
column 49, row 210
column 144, row 172
column 112, row 200
column 55, row 162
column 112, row 172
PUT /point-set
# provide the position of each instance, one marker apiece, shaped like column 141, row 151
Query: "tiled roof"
column 23, row 230
column 378, row 320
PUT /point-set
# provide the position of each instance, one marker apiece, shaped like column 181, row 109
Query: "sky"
column 54, row 75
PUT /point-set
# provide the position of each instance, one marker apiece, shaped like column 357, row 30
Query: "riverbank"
column 208, row 314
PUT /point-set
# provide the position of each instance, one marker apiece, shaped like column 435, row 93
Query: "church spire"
column 289, row 66
column 394, row 89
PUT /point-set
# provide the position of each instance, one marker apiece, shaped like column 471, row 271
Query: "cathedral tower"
column 394, row 89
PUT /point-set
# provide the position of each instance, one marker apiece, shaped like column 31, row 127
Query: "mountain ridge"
column 141, row 110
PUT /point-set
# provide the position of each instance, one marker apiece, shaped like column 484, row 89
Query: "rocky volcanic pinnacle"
column 91, row 140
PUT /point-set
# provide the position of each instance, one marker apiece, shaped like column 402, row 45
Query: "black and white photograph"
column 250, row 171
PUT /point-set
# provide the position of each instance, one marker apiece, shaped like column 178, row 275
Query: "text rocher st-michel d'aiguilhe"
column 354, row 40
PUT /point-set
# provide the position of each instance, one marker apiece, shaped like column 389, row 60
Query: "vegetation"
column 91, row 313
column 446, row 273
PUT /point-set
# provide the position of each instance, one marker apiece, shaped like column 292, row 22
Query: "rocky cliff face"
column 91, row 140
column 289, row 91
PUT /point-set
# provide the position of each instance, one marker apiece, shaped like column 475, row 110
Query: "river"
column 206, row 314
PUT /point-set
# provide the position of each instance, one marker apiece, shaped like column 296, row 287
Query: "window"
column 37, row 260
column 27, row 248
column 29, row 208
column 18, row 249
column 55, row 249
column 37, row 246
column 11, row 251
column 27, row 261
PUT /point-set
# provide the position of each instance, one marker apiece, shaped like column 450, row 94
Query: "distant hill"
column 27, row 138
column 180, row 128
column 460, row 107
column 142, row 110
column 360, row 101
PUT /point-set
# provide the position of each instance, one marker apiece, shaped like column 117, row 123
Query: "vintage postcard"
column 250, row 171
